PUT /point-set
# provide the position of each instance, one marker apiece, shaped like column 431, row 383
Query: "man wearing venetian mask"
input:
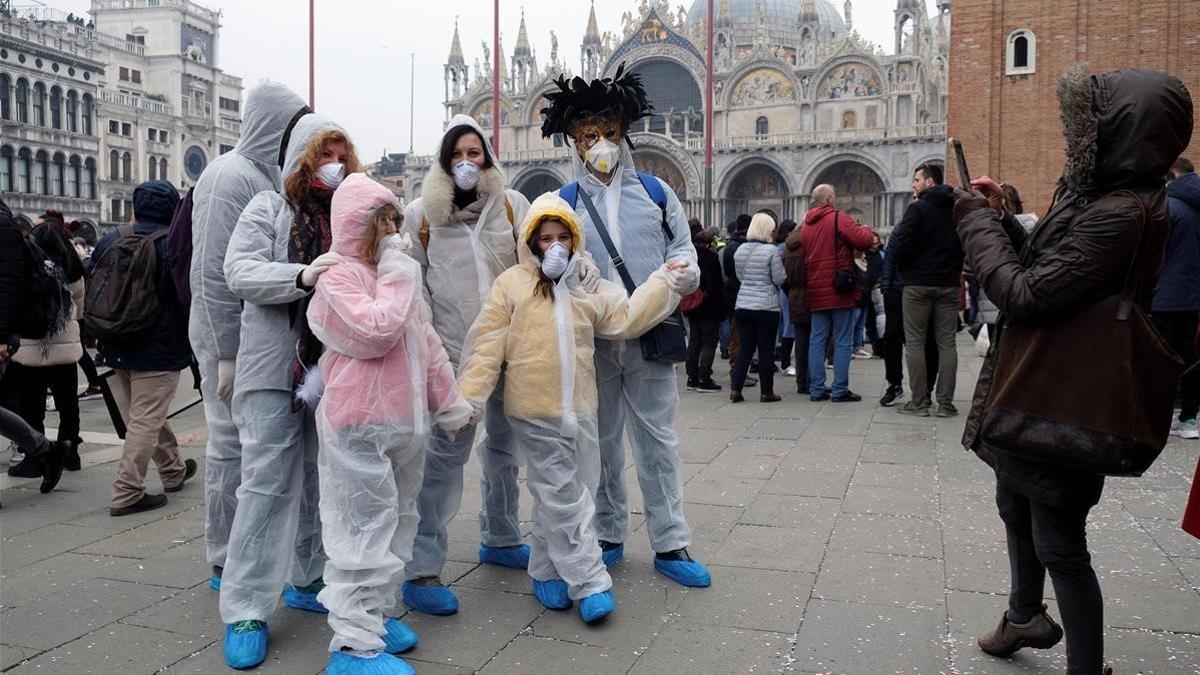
column 647, row 227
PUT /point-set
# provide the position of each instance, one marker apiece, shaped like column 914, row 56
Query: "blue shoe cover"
column 597, row 606
column 305, row 598
column 246, row 644
column 435, row 600
column 613, row 555
column 214, row 582
column 552, row 594
column 685, row 572
column 398, row 638
column 348, row 663
column 516, row 557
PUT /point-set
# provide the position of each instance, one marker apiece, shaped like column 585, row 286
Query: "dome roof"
column 781, row 17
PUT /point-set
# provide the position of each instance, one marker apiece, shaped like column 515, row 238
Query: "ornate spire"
column 522, row 48
column 592, row 34
column 849, row 20
column 503, row 61
column 456, row 52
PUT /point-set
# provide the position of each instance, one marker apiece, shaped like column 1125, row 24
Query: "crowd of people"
column 350, row 349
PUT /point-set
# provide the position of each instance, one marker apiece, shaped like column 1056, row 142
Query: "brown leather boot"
column 769, row 398
column 735, row 396
column 1040, row 632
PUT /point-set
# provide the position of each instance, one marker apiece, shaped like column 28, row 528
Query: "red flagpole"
column 496, row 80
column 312, row 96
column 708, row 121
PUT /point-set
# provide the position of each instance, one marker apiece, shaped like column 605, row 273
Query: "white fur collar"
column 437, row 192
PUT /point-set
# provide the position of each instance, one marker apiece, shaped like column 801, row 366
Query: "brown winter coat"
column 1123, row 129
column 797, row 279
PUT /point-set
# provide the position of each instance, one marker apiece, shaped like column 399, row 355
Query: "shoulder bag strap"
column 836, row 235
column 617, row 262
column 1132, row 281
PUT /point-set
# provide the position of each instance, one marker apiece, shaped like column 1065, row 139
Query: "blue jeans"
column 841, row 322
column 724, row 339
column 860, row 328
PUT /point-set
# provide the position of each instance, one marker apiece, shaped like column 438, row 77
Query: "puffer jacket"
column 1123, row 130
column 383, row 363
column 1179, row 286
column 797, row 279
column 817, row 237
column 760, row 271
column 64, row 346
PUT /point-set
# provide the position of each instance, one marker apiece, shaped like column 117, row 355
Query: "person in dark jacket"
column 705, row 320
column 798, row 314
column 1177, row 299
column 1123, row 130
column 787, row 330
column 147, row 369
column 891, row 283
column 930, row 256
column 736, row 238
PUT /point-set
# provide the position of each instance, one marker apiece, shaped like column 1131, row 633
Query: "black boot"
column 71, row 460
column 52, row 464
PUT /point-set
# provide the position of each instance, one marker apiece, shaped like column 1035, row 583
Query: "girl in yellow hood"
column 538, row 326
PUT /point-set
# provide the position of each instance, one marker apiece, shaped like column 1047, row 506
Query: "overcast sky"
column 363, row 51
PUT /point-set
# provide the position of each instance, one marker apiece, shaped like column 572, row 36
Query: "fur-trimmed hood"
column 1123, row 129
column 437, row 192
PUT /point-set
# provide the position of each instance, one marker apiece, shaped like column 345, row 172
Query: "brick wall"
column 1009, row 124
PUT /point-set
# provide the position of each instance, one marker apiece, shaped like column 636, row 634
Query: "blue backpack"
column 570, row 193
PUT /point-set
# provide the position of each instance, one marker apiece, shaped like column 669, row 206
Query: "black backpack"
column 49, row 302
column 179, row 249
column 122, row 298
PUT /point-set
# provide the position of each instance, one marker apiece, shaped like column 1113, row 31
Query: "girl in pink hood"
column 386, row 377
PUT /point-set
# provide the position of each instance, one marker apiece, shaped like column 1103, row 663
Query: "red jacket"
column 817, row 239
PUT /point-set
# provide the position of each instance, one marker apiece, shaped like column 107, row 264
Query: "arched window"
column 23, row 100
column 162, row 169
column 152, row 169
column 761, row 126
column 5, row 93
column 56, row 104
column 24, row 170
column 114, row 165
column 6, row 169
column 74, row 169
column 87, row 114
column 39, row 104
column 89, row 178
column 1021, row 54
column 72, row 112
column 41, row 173
column 58, row 170
column 126, row 167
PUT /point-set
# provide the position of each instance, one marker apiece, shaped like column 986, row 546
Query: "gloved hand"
column 966, row 203
column 396, row 242
column 476, row 416
column 317, row 267
column 682, row 276
column 589, row 274
column 225, row 370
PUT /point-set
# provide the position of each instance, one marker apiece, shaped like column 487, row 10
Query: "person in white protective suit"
column 224, row 189
column 539, row 326
column 385, row 375
column 278, row 250
column 648, row 227
column 464, row 234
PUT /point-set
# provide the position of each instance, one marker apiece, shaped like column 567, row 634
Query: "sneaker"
column 515, row 557
column 1188, row 430
column 15, row 456
column 246, row 644
column 552, row 593
column 708, row 387
column 790, row 371
column 946, row 410
column 823, row 396
column 28, row 467
column 597, row 606
column 189, row 470
column 360, row 663
column 397, row 637
column 1040, row 632
column 91, row 394
column 679, row 567
column 751, row 381
column 912, row 408
column 891, row 396
column 611, row 553
column 692, row 384
column 860, row 353
column 305, row 597
column 148, row 502
column 848, row 397
column 72, row 462
column 427, row 595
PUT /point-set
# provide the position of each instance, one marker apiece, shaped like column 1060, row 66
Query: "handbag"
column 666, row 342
column 845, row 279
column 692, row 301
column 1119, row 425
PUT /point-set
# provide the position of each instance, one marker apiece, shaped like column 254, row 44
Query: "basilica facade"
column 799, row 99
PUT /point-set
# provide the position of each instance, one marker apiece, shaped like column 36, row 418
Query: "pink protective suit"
column 386, row 375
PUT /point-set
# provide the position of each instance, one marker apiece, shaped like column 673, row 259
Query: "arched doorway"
column 658, row 164
column 859, row 190
column 753, row 187
column 537, row 183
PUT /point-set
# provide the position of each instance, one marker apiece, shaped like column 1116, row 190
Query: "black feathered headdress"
column 621, row 96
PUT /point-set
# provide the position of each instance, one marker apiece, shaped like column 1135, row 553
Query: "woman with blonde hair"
column 279, row 247
column 759, row 268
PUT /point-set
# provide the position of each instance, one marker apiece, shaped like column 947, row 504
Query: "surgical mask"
column 603, row 156
column 331, row 174
column 466, row 175
column 554, row 260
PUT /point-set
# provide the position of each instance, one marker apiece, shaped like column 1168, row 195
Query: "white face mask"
column 331, row 174
column 603, row 156
column 466, row 175
column 554, row 260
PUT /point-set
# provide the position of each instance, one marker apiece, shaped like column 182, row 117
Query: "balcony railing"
column 186, row 5
column 231, row 125
column 136, row 102
column 231, row 81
